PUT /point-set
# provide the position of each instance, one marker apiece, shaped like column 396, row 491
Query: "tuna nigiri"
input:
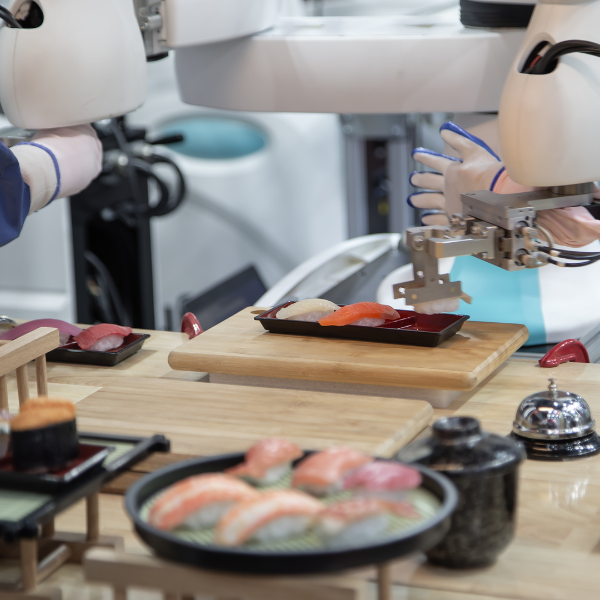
column 102, row 338
column 369, row 314
column 308, row 310
column 353, row 522
column 267, row 461
column 199, row 501
column 65, row 330
column 323, row 473
column 384, row 480
column 274, row 516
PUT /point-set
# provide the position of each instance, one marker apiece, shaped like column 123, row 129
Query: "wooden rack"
column 122, row 570
column 39, row 557
column 15, row 356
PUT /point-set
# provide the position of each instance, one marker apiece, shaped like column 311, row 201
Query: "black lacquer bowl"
column 484, row 469
column 287, row 559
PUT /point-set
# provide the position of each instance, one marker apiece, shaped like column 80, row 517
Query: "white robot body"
column 84, row 63
column 550, row 124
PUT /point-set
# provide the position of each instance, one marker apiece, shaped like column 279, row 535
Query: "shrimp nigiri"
column 353, row 522
column 199, row 501
column 271, row 517
column 370, row 314
column 322, row 473
column 267, row 461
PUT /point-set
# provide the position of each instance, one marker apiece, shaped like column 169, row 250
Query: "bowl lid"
column 553, row 415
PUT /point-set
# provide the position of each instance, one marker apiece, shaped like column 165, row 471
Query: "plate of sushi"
column 41, row 450
column 278, row 509
column 368, row 321
column 103, row 345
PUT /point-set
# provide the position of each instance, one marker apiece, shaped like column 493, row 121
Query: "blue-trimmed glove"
column 478, row 168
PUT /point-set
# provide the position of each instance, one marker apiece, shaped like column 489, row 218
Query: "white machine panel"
column 188, row 22
column 353, row 65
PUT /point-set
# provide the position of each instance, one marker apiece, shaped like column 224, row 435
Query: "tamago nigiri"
column 267, row 461
column 369, row 314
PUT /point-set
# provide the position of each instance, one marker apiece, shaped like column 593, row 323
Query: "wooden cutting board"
column 240, row 346
column 206, row 418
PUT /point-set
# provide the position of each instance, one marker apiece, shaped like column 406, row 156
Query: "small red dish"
column 90, row 458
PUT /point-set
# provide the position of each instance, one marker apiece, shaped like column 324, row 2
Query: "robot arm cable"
column 541, row 64
column 9, row 18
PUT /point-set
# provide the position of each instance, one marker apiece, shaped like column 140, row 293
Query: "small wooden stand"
column 15, row 355
column 40, row 557
column 123, row 570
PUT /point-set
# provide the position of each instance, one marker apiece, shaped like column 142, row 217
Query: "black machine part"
column 112, row 248
column 495, row 14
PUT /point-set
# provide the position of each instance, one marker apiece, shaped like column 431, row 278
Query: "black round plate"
column 239, row 560
column 560, row 449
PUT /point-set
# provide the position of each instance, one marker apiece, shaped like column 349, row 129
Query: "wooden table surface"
column 241, row 346
column 556, row 552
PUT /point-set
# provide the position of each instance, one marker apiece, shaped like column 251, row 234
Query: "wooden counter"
column 556, row 553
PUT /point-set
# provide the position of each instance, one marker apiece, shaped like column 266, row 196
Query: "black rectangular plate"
column 72, row 353
column 88, row 483
column 90, row 458
column 426, row 330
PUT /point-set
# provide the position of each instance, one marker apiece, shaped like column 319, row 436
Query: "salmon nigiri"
column 267, row 461
column 370, row 314
column 199, row 501
column 271, row 517
column 323, row 473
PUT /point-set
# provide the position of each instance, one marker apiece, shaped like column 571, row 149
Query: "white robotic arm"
column 550, row 138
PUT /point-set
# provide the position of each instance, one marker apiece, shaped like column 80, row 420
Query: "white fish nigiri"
column 353, row 522
column 308, row 310
column 271, row 517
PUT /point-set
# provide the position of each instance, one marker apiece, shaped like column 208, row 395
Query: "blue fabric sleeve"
column 15, row 197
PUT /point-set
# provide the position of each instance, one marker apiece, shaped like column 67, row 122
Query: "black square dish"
column 413, row 329
column 72, row 353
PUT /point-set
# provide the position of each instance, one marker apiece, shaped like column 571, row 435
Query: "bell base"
column 569, row 449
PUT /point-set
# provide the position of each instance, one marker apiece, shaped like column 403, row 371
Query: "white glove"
column 478, row 168
column 59, row 162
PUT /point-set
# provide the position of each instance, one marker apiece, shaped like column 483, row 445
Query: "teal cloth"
column 501, row 296
column 216, row 138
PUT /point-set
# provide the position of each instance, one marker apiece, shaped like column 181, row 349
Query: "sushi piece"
column 267, row 461
column 199, row 501
column 44, row 435
column 323, row 473
column 65, row 330
column 383, row 480
column 353, row 522
column 103, row 337
column 308, row 310
column 273, row 516
column 6, row 323
column 366, row 314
